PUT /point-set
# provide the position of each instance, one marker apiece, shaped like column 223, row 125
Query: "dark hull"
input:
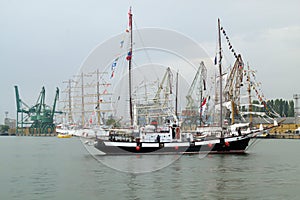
column 236, row 146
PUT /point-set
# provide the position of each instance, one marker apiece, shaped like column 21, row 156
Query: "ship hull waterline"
column 234, row 145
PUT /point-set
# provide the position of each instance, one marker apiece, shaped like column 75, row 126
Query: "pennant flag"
column 113, row 65
column 203, row 102
column 112, row 74
column 203, row 107
column 204, row 85
column 121, row 44
column 105, row 91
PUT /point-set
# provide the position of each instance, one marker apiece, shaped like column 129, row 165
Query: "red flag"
column 204, row 102
column 112, row 74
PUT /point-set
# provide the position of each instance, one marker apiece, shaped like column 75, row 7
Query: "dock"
column 280, row 136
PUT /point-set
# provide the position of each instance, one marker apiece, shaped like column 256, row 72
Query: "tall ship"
column 156, row 126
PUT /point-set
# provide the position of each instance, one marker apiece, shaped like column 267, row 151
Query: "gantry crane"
column 38, row 118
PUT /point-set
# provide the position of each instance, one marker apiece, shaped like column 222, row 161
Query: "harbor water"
column 53, row 168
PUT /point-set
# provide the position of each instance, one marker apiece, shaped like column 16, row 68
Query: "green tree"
column 255, row 108
column 291, row 112
column 285, row 108
column 112, row 122
column 277, row 106
column 4, row 128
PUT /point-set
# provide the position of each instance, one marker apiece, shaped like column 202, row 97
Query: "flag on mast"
column 128, row 57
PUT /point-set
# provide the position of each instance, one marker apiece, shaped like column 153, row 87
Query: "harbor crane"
column 168, row 78
column 199, row 82
column 38, row 118
column 195, row 96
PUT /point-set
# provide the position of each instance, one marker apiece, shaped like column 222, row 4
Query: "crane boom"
column 199, row 80
column 169, row 76
column 54, row 103
column 19, row 102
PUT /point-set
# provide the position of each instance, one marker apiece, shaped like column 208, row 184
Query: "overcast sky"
column 43, row 43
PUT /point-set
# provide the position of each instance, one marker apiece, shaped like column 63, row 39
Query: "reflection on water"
column 50, row 168
column 138, row 163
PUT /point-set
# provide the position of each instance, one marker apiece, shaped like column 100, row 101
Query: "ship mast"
column 249, row 94
column 129, row 57
column 220, row 73
column 176, row 97
column 82, row 100
column 201, row 94
column 98, row 98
